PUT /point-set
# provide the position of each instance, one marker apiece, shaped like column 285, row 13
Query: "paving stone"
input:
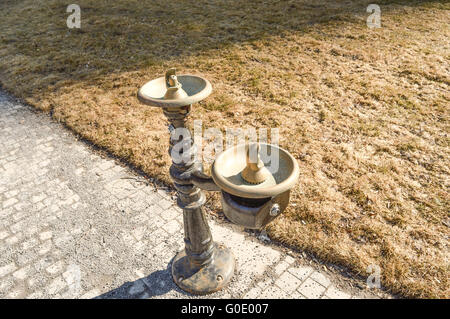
column 55, row 268
column 36, row 295
column 273, row 292
column 43, row 263
column 23, row 273
column 136, row 288
column 44, row 247
column 4, row 270
column 6, row 284
column 140, row 232
column 301, row 272
column 4, row 234
column 170, row 214
column 281, row 267
column 311, row 289
column 297, row 295
column 165, row 204
column 12, row 193
column 19, row 215
column 56, row 285
column 26, row 257
column 17, row 292
column 320, row 278
column 105, row 165
column 91, row 294
column 12, row 240
column 45, row 235
column 265, row 283
column 37, row 198
column 253, row 293
column 334, row 293
column 9, row 202
column 289, row 259
column 288, row 282
column 29, row 243
column 172, row 227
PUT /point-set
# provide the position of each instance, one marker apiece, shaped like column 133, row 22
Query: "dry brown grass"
column 364, row 111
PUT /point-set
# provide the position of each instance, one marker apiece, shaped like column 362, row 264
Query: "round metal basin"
column 228, row 166
column 196, row 88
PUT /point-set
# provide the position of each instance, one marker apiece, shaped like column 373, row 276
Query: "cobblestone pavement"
column 74, row 224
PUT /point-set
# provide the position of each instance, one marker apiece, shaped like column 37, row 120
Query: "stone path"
column 74, row 224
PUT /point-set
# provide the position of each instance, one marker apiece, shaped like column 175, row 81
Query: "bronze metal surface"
column 202, row 267
column 228, row 166
column 252, row 196
column 253, row 213
column 166, row 92
column 207, row 278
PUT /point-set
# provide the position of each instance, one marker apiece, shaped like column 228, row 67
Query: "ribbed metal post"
column 203, row 266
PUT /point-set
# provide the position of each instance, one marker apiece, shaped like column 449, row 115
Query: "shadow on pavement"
column 156, row 284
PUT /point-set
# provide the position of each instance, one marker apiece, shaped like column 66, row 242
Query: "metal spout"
column 255, row 172
column 174, row 87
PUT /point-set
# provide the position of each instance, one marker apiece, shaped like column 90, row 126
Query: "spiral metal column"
column 203, row 267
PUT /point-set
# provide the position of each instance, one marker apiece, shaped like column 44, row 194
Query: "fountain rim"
column 249, row 191
column 161, row 102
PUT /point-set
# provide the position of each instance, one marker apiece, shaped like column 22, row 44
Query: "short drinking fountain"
column 252, row 195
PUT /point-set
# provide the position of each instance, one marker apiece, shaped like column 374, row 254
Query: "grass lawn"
column 364, row 111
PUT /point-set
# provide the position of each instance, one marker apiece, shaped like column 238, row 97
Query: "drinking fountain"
column 252, row 196
column 252, row 193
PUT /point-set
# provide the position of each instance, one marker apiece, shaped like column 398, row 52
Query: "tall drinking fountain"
column 252, row 195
